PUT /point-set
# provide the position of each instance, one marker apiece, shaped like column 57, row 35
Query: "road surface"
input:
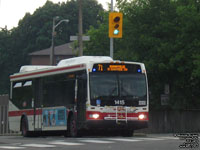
column 144, row 142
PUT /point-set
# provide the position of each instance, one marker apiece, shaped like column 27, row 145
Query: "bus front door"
column 81, row 103
column 38, row 105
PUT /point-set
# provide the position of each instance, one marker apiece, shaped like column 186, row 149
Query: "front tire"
column 73, row 132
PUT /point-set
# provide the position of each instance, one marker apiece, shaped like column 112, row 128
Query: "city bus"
column 86, row 93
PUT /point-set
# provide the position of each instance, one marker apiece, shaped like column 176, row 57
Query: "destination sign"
column 118, row 67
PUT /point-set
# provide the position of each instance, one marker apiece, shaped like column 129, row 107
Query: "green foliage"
column 5, row 53
column 196, row 62
column 34, row 33
column 164, row 34
column 99, row 41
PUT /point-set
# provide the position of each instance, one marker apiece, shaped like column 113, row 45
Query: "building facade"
column 42, row 57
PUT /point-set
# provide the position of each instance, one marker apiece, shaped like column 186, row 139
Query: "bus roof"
column 66, row 62
column 28, row 68
column 66, row 65
column 83, row 60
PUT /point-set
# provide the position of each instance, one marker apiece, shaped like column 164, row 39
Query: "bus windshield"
column 120, row 85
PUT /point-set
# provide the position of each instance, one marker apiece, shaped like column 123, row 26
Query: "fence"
column 4, row 127
column 173, row 121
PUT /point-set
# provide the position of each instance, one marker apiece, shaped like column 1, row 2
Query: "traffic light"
column 115, row 24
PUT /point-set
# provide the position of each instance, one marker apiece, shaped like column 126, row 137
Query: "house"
column 42, row 57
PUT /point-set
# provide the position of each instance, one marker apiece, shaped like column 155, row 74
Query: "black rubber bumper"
column 112, row 124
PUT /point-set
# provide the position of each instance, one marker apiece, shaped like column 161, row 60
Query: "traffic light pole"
column 111, row 39
column 111, row 47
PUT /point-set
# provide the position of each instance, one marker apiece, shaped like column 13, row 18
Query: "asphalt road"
column 144, row 142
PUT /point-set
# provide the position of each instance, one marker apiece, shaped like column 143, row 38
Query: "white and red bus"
column 82, row 93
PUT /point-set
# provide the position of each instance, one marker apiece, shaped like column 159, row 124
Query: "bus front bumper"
column 113, row 124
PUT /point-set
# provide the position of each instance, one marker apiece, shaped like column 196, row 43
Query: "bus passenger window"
column 22, row 94
column 59, row 93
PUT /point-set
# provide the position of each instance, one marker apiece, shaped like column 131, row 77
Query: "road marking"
column 97, row 141
column 83, row 141
column 170, row 138
column 38, row 145
column 150, row 139
column 65, row 143
column 11, row 147
column 125, row 140
column 16, row 143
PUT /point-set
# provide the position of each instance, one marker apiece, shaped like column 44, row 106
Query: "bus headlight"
column 94, row 116
column 142, row 117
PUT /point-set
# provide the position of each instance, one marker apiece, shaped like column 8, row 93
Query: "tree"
column 5, row 61
column 99, row 41
column 34, row 33
column 164, row 35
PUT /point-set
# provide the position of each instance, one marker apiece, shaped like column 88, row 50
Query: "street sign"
column 75, row 38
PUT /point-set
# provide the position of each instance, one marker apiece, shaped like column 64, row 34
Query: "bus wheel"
column 72, row 127
column 24, row 127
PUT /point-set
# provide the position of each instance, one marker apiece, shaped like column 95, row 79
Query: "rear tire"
column 127, row 133
column 24, row 128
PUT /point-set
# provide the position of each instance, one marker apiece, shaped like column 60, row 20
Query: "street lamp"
column 53, row 34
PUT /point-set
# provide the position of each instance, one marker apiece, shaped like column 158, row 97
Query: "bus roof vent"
column 32, row 68
column 83, row 59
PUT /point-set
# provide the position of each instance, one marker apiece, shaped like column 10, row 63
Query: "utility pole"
column 111, row 39
column 80, row 29
column 53, row 36
column 52, row 42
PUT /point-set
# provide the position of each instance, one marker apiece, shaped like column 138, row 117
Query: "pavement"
column 137, row 142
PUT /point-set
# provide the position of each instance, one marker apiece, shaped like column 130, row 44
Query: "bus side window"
column 22, row 94
column 69, row 91
column 59, row 91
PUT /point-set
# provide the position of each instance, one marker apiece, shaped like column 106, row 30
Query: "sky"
column 11, row 11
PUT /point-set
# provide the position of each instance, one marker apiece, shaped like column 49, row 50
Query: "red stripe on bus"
column 21, row 112
column 46, row 71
